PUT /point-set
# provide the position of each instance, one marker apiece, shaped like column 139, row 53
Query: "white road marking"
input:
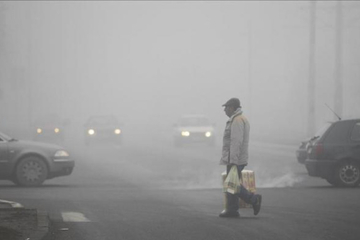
column 74, row 217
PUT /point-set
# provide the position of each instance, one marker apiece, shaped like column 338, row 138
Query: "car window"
column 355, row 134
column 338, row 133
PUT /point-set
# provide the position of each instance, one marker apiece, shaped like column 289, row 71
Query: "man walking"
column 235, row 152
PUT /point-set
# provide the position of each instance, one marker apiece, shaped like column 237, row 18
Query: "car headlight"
column 117, row 131
column 208, row 134
column 91, row 132
column 56, row 130
column 39, row 130
column 61, row 153
column 185, row 133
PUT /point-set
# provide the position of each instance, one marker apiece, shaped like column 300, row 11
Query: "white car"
column 194, row 129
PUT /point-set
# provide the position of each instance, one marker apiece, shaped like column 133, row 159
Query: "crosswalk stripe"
column 74, row 217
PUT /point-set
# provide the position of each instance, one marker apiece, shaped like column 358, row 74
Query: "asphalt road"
column 149, row 189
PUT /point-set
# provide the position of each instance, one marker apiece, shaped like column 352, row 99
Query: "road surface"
column 149, row 189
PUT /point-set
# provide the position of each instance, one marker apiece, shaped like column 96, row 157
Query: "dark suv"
column 302, row 151
column 335, row 155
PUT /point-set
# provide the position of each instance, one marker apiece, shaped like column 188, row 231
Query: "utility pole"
column 312, row 67
column 338, row 101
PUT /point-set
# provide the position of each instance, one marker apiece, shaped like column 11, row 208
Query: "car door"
column 355, row 141
column 4, row 158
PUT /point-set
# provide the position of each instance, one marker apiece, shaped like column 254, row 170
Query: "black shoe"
column 257, row 205
column 229, row 214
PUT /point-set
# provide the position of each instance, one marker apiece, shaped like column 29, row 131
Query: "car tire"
column 31, row 171
column 347, row 174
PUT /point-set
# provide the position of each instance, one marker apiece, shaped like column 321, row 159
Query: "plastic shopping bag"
column 232, row 181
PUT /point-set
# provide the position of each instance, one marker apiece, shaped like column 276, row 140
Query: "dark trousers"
column 232, row 200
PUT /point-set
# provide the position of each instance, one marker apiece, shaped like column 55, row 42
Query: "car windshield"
column 5, row 137
column 103, row 121
column 194, row 121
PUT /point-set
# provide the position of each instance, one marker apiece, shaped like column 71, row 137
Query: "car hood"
column 37, row 145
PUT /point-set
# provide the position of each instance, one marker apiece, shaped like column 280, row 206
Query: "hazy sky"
column 159, row 60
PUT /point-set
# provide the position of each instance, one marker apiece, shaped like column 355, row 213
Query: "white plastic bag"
column 232, row 181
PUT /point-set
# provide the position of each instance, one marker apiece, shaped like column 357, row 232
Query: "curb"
column 43, row 227
column 17, row 222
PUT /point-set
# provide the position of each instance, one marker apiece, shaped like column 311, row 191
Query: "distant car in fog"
column 103, row 129
column 193, row 129
column 50, row 128
column 29, row 163
column 335, row 154
column 302, row 151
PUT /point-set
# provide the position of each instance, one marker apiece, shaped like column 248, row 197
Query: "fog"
column 148, row 63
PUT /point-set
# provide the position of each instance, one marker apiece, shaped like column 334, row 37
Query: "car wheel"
column 347, row 174
column 31, row 171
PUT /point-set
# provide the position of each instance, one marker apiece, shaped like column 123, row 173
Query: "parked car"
column 29, row 163
column 103, row 129
column 335, row 155
column 302, row 151
column 50, row 128
column 194, row 129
